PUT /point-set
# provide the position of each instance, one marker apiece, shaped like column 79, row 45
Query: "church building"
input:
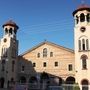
column 47, row 64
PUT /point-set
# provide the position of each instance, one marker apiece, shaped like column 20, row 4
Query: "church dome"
column 82, row 7
column 11, row 23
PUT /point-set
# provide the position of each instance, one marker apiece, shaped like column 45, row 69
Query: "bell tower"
column 82, row 45
column 10, row 29
column 8, row 54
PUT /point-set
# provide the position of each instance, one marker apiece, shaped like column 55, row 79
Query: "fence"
column 41, row 86
column 65, row 87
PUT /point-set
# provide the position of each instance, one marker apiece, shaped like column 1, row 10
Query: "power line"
column 48, row 24
column 46, row 28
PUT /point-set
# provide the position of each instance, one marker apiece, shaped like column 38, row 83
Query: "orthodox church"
column 47, row 63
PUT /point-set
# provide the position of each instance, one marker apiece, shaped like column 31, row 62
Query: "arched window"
column 45, row 52
column 83, row 44
column 38, row 55
column 13, row 53
column 84, row 61
column 79, row 44
column 70, row 80
column 4, row 51
column 88, row 17
column 87, row 44
column 77, row 19
column 51, row 54
column 6, row 30
column 84, row 64
column 13, row 64
column 85, row 84
column 82, row 17
column 10, row 30
column 22, row 68
column 3, row 65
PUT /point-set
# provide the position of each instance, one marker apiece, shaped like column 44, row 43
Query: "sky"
column 40, row 20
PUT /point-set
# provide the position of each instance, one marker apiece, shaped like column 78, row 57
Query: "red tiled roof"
column 82, row 7
column 11, row 23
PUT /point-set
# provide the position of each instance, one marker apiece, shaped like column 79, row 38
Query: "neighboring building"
column 47, row 63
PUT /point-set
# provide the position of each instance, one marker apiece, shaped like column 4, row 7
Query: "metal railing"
column 43, row 86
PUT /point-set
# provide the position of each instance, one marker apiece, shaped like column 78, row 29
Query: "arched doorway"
column 69, row 83
column 70, row 80
column 22, row 79
column 44, row 80
column 44, row 77
column 60, row 81
column 33, row 79
column 33, row 83
column 2, row 82
column 85, row 84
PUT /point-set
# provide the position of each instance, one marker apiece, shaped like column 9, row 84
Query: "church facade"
column 47, row 63
column 50, row 61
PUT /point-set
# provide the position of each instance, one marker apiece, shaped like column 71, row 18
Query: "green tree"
column 76, row 87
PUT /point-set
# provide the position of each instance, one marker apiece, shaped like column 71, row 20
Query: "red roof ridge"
column 11, row 23
column 83, row 6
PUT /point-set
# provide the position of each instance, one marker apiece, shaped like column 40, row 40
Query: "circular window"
column 82, row 29
column 5, row 39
